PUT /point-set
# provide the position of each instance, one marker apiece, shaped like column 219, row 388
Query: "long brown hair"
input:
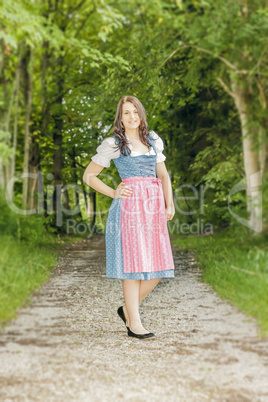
column 119, row 129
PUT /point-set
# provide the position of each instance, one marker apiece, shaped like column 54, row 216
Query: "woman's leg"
column 147, row 286
column 131, row 290
column 134, row 292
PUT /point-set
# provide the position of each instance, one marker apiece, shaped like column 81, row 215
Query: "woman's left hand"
column 170, row 212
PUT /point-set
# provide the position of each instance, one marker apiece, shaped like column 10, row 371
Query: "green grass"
column 234, row 247
column 23, row 268
column 28, row 253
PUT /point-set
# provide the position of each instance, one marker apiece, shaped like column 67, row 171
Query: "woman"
column 137, row 241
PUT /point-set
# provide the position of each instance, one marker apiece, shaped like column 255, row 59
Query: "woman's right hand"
column 122, row 191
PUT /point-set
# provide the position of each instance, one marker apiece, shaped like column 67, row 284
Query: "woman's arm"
column 162, row 173
column 91, row 179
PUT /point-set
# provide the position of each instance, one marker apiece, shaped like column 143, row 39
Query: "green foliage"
column 234, row 247
column 8, row 220
column 174, row 56
column 23, row 268
column 27, row 256
column 5, row 150
column 29, row 228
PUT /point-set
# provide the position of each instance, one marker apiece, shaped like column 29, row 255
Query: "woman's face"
column 130, row 116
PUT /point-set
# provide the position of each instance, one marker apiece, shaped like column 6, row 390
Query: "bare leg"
column 147, row 286
column 134, row 292
column 131, row 290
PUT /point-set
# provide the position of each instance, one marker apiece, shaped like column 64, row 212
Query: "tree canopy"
column 198, row 67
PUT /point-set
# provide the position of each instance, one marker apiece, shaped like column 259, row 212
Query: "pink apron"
column 145, row 238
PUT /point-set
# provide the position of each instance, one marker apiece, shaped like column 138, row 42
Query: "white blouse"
column 105, row 152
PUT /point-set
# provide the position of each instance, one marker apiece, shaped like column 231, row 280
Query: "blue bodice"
column 140, row 165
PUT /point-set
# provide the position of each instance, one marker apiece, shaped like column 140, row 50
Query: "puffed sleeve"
column 159, row 145
column 106, row 151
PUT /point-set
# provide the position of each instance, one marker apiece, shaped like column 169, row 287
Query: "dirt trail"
column 70, row 345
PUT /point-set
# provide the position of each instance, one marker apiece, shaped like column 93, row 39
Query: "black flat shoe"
column 121, row 314
column 140, row 336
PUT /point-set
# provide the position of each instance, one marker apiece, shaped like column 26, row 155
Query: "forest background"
column 200, row 68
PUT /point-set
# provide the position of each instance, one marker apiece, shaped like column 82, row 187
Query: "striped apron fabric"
column 145, row 238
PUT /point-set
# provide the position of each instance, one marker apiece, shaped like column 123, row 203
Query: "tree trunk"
column 27, row 62
column 76, row 180
column 2, row 175
column 7, row 123
column 45, row 203
column 12, row 168
column 2, row 63
column 94, row 207
column 34, row 163
column 251, row 159
column 263, row 149
column 45, row 115
column 2, row 109
column 57, row 140
column 86, row 197
column 66, row 200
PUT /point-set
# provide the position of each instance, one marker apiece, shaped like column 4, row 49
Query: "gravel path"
column 70, row 345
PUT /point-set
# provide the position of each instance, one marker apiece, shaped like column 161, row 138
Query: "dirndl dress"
column 136, row 236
